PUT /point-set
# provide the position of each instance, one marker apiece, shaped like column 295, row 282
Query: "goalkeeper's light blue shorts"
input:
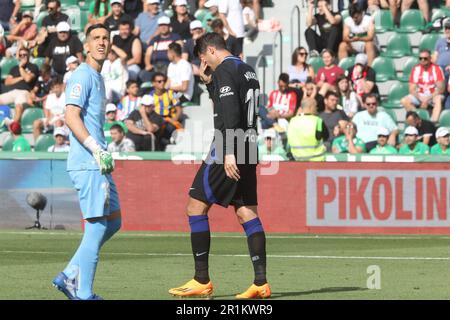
column 97, row 193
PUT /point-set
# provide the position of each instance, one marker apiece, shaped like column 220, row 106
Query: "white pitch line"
column 275, row 256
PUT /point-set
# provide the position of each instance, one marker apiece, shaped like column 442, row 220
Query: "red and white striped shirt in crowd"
column 426, row 80
column 282, row 102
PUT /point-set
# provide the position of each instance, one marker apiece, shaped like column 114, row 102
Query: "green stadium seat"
column 423, row 114
column 67, row 3
column 384, row 68
column 444, row 119
column 396, row 93
column 411, row 21
column 346, row 63
column 8, row 143
column 390, row 112
column 316, row 63
column 84, row 19
column 24, row 8
column 409, row 64
column 440, row 13
column 428, row 41
column 44, row 142
column 345, row 14
column 74, row 14
column 40, row 18
column 146, row 85
column 6, row 65
column 383, row 21
column 398, row 45
column 28, row 117
column 39, row 61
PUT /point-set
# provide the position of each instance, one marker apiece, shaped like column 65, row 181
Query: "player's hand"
column 105, row 161
column 205, row 72
column 231, row 168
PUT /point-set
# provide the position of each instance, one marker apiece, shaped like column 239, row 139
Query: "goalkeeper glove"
column 103, row 158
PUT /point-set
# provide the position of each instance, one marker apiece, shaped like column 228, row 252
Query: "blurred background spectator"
column 411, row 145
column 61, row 143
column 180, row 78
column 127, row 44
column 120, row 143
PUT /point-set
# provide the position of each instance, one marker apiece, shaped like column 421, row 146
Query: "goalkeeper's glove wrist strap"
column 92, row 145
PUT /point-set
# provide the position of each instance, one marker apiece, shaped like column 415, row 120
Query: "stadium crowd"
column 151, row 73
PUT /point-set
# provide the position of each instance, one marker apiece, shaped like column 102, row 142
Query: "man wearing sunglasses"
column 443, row 139
column 426, row 87
column 412, row 146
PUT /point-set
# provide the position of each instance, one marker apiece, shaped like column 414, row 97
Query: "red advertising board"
column 344, row 197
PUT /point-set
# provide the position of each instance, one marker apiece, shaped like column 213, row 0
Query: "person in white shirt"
column 115, row 75
column 180, row 77
column 120, row 143
column 72, row 63
column 230, row 12
column 250, row 21
column 61, row 144
column 54, row 108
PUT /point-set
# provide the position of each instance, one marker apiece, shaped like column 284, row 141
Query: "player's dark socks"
column 200, row 241
column 256, row 239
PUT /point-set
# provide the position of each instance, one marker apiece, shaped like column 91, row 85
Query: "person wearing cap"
column 71, row 64
column 233, row 45
column 129, row 45
column 111, row 120
column 24, row 32
column 426, row 128
column 362, row 77
column 412, row 146
column 20, row 143
column 99, row 10
column 147, row 22
column 64, row 45
column 213, row 14
column 197, row 31
column 371, row 119
column 271, row 146
column 349, row 142
column 61, row 144
column 54, row 109
column 117, row 15
column 382, row 147
column 180, row 78
column 443, row 141
column 181, row 19
column 144, row 125
column 120, row 143
column 156, row 58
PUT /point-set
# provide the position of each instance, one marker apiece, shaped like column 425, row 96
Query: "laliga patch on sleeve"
column 76, row 91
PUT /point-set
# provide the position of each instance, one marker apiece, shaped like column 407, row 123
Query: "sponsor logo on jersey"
column 250, row 75
column 76, row 91
column 225, row 91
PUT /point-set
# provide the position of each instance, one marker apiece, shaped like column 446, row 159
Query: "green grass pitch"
column 146, row 265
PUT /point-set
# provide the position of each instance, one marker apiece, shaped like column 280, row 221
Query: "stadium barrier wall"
column 339, row 197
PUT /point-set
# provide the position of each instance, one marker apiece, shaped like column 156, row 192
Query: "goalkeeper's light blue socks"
column 256, row 240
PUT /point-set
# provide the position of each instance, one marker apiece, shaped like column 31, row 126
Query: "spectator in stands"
column 127, row 44
column 180, row 78
column 168, row 107
column 144, row 125
column 130, row 102
column 326, row 76
column 423, row 6
column 147, row 22
column 61, row 47
column 71, row 64
column 307, row 133
column 61, row 144
column 442, row 137
column 120, row 143
column 426, row 86
column 358, row 35
column 20, row 144
column 24, row 33
column 330, row 27
column 188, row 49
column 42, row 86
column 232, row 43
column 99, row 11
column 271, row 149
column 334, row 119
column 10, row 9
column 250, row 20
column 115, row 74
column 426, row 128
column 3, row 43
column 347, row 97
column 412, row 145
column 181, row 19
column 213, row 7
column 362, row 77
column 441, row 54
column 383, row 147
column 371, row 119
column 156, row 58
column 349, row 142
column 230, row 12
column 134, row 7
column 117, row 15
column 299, row 71
column 54, row 109
column 111, row 119
column 19, row 83
column 310, row 91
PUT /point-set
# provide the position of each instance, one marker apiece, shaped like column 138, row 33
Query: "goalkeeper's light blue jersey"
column 86, row 90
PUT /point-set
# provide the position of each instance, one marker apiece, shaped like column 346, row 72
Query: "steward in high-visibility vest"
column 306, row 134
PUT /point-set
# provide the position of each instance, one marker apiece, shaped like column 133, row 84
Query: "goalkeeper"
column 89, row 167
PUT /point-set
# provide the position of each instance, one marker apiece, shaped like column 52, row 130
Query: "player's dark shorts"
column 211, row 185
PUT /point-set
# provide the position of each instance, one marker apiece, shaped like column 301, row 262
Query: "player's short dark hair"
column 94, row 27
column 216, row 24
column 158, row 74
column 209, row 39
column 130, row 83
column 284, row 77
column 412, row 114
column 355, row 9
column 331, row 93
column 176, row 48
column 117, row 127
column 370, row 95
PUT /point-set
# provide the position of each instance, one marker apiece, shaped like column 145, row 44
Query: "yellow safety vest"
column 302, row 138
